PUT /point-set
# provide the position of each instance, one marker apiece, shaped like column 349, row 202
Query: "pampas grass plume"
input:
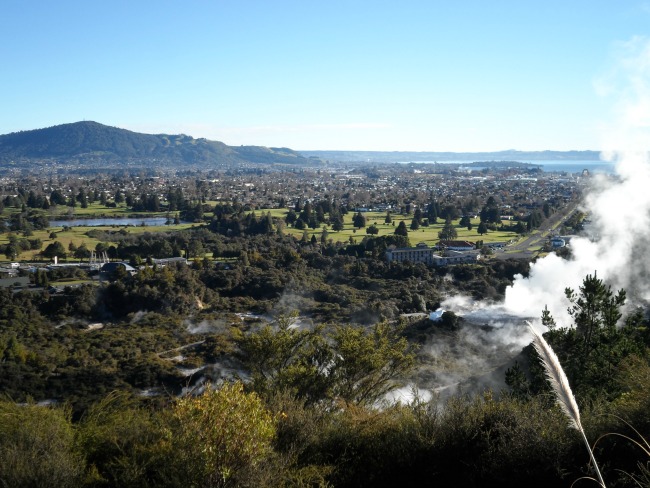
column 560, row 384
column 557, row 378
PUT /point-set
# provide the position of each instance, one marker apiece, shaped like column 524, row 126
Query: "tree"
column 417, row 215
column 465, row 221
column 534, row 220
column 366, row 364
column 358, row 220
column 323, row 237
column 54, row 249
column 11, row 251
column 490, row 213
column 41, row 279
column 415, row 224
column 448, row 231
column 306, row 213
column 520, row 227
column 518, row 383
column 401, row 229
column 82, row 198
column 591, row 351
column 351, row 363
column 433, row 211
column 82, row 252
column 388, row 218
column 450, row 320
column 291, row 217
column 482, row 228
column 450, row 212
column 594, row 309
column 281, row 357
column 57, row 198
column 299, row 224
column 337, row 223
column 372, row 230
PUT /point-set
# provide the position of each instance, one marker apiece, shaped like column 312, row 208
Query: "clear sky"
column 308, row 74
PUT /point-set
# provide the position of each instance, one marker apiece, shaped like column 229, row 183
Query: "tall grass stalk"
column 563, row 394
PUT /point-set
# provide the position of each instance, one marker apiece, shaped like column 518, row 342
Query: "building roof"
column 456, row 244
column 112, row 267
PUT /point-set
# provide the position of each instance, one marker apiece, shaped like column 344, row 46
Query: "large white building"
column 419, row 254
column 427, row 255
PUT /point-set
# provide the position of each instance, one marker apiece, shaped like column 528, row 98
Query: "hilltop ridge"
column 91, row 143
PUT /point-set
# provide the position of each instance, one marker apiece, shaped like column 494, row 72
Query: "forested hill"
column 91, row 143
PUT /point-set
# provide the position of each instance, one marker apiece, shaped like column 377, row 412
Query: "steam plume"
column 618, row 206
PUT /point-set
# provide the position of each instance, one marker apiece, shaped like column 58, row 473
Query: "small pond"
column 147, row 221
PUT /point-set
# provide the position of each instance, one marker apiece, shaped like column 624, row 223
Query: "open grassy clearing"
column 79, row 235
column 428, row 235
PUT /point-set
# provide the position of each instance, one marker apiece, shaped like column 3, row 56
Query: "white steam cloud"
column 618, row 206
column 616, row 247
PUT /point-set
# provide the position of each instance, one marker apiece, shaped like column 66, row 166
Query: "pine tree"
column 448, row 231
column 401, row 229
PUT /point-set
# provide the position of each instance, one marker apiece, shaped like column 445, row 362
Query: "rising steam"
column 618, row 206
column 616, row 244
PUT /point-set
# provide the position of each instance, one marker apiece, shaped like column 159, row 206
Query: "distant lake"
column 575, row 166
column 147, row 221
column 547, row 166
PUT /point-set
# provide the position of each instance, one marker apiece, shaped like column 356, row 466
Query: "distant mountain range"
column 92, row 144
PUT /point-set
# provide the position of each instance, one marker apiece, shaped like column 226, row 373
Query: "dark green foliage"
column 490, row 213
column 348, row 364
column 372, row 230
column 401, row 229
column 38, row 448
column 448, row 231
column 102, row 144
column 54, row 249
column 359, row 220
column 534, row 220
column 592, row 350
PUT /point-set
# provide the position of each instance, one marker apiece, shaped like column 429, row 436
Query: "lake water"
column 147, row 221
column 575, row 166
column 548, row 166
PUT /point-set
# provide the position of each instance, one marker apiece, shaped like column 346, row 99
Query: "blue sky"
column 349, row 75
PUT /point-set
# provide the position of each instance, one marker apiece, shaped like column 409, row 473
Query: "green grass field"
column 79, row 235
column 428, row 235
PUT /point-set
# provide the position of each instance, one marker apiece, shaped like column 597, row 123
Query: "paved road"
column 522, row 249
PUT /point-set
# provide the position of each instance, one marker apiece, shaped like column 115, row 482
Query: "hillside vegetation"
column 92, row 143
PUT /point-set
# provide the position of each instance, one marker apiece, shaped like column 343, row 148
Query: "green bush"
column 37, row 447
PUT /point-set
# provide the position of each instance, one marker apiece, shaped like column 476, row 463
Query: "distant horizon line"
column 393, row 151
